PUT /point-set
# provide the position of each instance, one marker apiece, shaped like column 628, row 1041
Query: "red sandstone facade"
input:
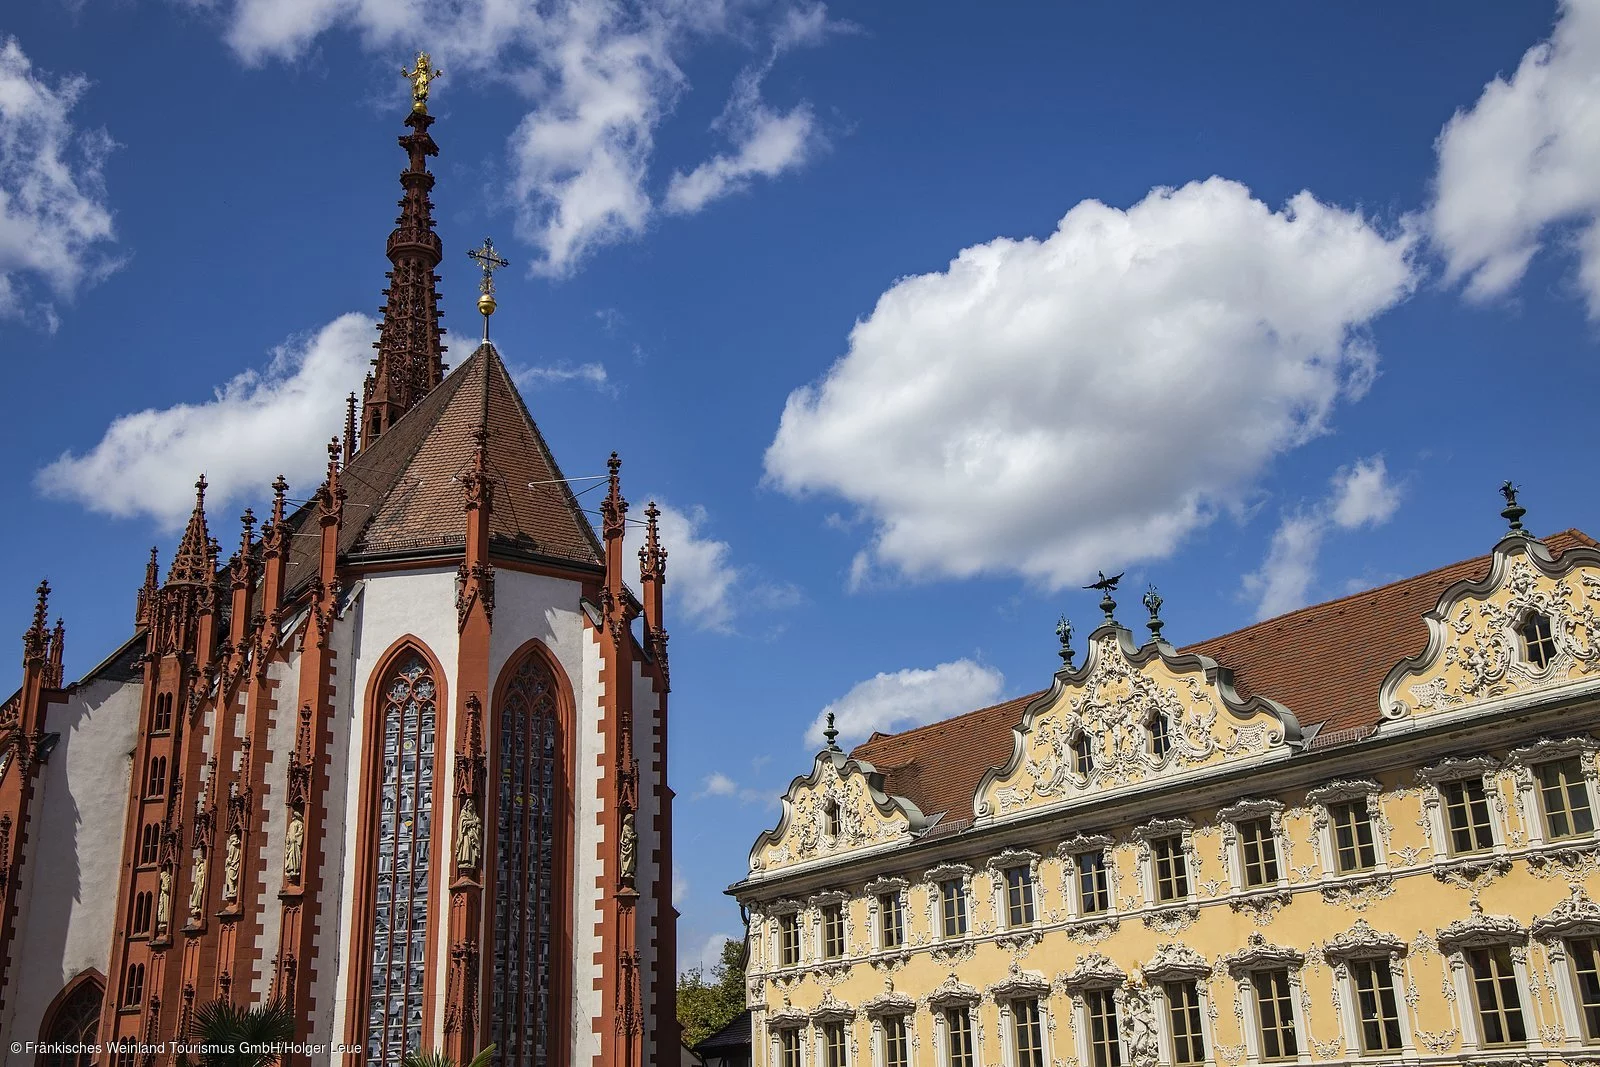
column 399, row 762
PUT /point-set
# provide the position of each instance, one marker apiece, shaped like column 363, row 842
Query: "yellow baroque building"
column 1366, row 830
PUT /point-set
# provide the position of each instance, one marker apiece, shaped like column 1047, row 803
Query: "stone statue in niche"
column 626, row 858
column 294, row 845
column 1143, row 1046
column 164, row 900
column 469, row 835
column 232, row 863
column 197, row 891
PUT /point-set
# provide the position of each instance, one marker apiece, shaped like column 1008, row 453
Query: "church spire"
column 195, row 562
column 409, row 361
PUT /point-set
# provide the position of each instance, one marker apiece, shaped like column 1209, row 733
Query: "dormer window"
column 1538, row 643
column 1160, row 734
column 1082, row 754
column 830, row 818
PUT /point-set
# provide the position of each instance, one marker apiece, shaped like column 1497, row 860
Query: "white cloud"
column 1363, row 494
column 54, row 218
column 1360, row 495
column 718, row 784
column 706, row 956
column 1050, row 407
column 700, row 572
column 766, row 142
column 558, row 373
column 906, row 698
column 680, row 888
column 599, row 77
column 1522, row 161
column 258, row 425
column 1285, row 577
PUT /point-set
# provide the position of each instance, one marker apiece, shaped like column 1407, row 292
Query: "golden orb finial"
column 423, row 73
column 490, row 261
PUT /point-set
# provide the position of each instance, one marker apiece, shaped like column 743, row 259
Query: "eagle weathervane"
column 1106, row 585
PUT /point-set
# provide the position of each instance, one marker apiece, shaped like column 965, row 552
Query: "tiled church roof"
column 1325, row 663
column 401, row 492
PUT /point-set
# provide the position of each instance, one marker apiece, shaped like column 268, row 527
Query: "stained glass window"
column 530, row 748
column 75, row 1024
column 395, row 1007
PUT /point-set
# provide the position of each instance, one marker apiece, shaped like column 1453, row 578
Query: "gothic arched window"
column 72, row 1023
column 405, row 716
column 527, row 911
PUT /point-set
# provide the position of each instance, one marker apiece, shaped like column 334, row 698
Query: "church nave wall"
column 69, row 894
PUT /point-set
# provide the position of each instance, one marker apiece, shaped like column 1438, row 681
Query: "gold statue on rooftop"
column 420, row 77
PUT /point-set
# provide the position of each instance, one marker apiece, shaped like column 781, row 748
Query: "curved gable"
column 1475, row 654
column 867, row 816
column 1110, row 702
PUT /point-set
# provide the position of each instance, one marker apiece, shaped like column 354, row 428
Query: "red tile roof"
column 401, row 492
column 1325, row 663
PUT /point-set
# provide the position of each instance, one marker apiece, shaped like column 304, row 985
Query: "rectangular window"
column 1105, row 1048
column 895, row 1053
column 1376, row 1006
column 953, row 904
column 1183, row 1015
column 1028, row 1036
column 1275, row 1013
column 1171, row 869
column 833, row 1044
column 832, row 931
column 788, row 940
column 1565, row 797
column 1353, row 849
column 1585, row 955
column 1094, row 889
column 1259, row 851
column 1494, row 987
column 892, row 920
column 1466, row 810
column 789, row 1048
column 958, row 1029
column 1019, row 897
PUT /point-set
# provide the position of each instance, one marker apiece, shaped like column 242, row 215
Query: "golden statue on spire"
column 420, row 77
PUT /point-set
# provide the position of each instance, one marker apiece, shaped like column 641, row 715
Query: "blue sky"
column 914, row 317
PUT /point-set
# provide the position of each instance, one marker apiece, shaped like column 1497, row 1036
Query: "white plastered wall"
column 648, row 870
column 269, row 835
column 70, row 875
column 331, row 932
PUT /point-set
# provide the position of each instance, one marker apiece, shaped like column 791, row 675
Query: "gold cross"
column 490, row 262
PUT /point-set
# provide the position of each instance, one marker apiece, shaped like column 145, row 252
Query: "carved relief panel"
column 839, row 807
column 1127, row 716
column 1532, row 624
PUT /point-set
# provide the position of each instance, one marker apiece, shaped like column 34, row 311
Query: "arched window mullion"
column 528, row 733
column 406, row 724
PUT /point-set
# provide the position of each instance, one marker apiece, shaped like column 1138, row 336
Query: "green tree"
column 439, row 1059
column 223, row 1029
column 706, row 1007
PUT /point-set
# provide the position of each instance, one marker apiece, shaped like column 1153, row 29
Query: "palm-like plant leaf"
column 439, row 1059
column 221, row 1024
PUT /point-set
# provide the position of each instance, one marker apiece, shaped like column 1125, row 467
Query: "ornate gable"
column 1476, row 651
column 841, row 795
column 1111, row 705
